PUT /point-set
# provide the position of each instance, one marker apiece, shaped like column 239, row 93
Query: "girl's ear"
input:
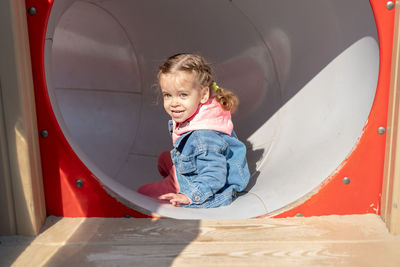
column 205, row 94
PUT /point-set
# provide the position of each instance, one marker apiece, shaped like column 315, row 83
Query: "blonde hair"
column 197, row 65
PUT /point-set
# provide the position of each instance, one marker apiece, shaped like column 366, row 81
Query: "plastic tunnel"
column 306, row 73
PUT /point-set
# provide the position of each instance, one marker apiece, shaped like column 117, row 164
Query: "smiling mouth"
column 177, row 113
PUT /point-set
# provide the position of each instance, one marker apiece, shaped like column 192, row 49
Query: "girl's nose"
column 174, row 102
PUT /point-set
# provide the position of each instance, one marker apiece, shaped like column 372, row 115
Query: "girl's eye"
column 166, row 95
column 184, row 95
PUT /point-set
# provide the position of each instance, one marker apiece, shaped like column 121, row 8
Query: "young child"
column 207, row 166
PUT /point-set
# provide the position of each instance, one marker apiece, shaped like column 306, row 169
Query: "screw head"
column 79, row 183
column 346, row 180
column 381, row 130
column 32, row 11
column 44, row 133
column 389, row 5
column 299, row 215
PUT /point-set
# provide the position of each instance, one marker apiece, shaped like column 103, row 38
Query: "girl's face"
column 182, row 94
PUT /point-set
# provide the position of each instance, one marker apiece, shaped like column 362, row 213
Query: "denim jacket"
column 211, row 167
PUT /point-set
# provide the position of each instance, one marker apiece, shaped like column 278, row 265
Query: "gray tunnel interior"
column 305, row 72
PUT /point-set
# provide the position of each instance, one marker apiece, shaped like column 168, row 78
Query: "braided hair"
column 197, row 65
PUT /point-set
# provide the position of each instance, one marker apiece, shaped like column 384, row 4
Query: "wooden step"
column 356, row 240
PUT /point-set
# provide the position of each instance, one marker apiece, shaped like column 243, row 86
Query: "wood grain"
column 391, row 177
column 357, row 240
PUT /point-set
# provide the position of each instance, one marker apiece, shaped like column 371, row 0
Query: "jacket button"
column 197, row 198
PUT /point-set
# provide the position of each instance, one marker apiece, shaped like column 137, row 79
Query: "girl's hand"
column 176, row 199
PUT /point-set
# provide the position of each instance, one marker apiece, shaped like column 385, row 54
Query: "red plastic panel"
column 62, row 168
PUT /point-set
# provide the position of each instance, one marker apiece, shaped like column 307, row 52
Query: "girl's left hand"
column 176, row 199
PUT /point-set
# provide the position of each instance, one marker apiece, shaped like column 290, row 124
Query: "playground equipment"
column 313, row 79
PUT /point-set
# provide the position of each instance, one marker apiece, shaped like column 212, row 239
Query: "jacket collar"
column 209, row 116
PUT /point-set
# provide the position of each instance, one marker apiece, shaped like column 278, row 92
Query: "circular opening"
column 305, row 73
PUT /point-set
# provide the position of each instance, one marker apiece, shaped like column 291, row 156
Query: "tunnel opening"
column 305, row 73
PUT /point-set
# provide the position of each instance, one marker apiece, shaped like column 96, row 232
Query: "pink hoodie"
column 209, row 116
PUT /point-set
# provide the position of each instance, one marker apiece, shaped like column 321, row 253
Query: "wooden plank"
column 7, row 216
column 214, row 254
column 144, row 231
column 357, row 240
column 20, row 129
column 391, row 178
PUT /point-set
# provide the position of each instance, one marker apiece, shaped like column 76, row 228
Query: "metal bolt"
column 346, row 180
column 381, row 130
column 389, row 5
column 44, row 133
column 128, row 216
column 32, row 11
column 79, row 183
column 299, row 215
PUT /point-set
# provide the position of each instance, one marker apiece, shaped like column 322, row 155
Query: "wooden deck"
column 357, row 240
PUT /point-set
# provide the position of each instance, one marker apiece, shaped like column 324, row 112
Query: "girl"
column 207, row 166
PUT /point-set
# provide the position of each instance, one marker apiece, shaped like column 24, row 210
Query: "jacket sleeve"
column 212, row 172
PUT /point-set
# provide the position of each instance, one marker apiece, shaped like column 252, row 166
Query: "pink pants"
column 168, row 185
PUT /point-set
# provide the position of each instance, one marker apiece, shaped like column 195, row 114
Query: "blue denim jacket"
column 211, row 167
